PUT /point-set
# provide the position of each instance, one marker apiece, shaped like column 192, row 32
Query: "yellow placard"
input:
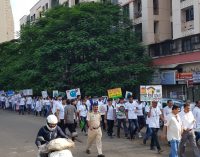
column 115, row 93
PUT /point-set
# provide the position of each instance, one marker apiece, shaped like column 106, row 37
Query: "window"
column 155, row 27
column 43, row 8
column 77, row 2
column 138, row 31
column 126, row 10
column 186, row 44
column 189, row 14
column 155, row 7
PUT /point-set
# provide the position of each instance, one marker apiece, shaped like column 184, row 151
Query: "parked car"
column 178, row 102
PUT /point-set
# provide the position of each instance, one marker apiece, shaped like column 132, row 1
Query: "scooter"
column 44, row 149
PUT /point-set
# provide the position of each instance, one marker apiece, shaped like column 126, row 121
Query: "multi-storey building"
column 6, row 21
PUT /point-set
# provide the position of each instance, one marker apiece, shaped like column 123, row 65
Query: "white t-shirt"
column 38, row 106
column 147, row 110
column 110, row 112
column 83, row 110
column 102, row 108
column 140, row 108
column 22, row 101
column 155, row 117
column 29, row 101
column 60, row 107
column 79, row 103
column 121, row 111
column 174, row 127
column 196, row 113
column 132, row 110
column 166, row 111
column 88, row 104
column 187, row 119
column 54, row 106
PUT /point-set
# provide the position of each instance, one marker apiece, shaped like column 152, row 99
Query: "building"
column 6, row 21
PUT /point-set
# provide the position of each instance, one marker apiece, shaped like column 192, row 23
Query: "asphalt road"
column 17, row 136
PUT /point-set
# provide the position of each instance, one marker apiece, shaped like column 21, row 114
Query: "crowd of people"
column 180, row 124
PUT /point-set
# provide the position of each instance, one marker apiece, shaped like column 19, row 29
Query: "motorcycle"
column 56, row 148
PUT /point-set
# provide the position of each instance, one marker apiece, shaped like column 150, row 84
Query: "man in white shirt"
column 131, row 109
column 188, row 123
column 22, row 105
column 102, row 110
column 110, row 116
column 82, row 112
column 167, row 109
column 154, row 115
column 28, row 104
column 140, row 117
column 196, row 113
column 173, row 129
column 121, row 117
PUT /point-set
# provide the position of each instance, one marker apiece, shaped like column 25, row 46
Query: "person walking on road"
column 155, row 115
column 94, row 130
column 173, row 130
column 188, row 123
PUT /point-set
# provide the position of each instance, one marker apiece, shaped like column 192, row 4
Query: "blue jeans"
column 174, row 147
column 197, row 134
column 148, row 132
column 133, row 127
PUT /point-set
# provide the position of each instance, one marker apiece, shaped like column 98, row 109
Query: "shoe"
column 160, row 151
column 88, row 151
column 139, row 135
column 152, row 148
column 144, row 141
column 101, row 155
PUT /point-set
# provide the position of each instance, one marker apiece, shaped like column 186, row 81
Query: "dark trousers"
column 3, row 105
column 119, row 121
column 21, row 109
column 141, row 122
column 154, row 138
column 29, row 108
column 103, row 122
column 61, row 124
column 110, row 125
column 133, row 127
column 38, row 112
column 71, row 127
column 85, row 123
column 188, row 136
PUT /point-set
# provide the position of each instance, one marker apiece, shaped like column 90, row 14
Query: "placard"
column 115, row 93
column 44, row 94
column 73, row 93
column 150, row 93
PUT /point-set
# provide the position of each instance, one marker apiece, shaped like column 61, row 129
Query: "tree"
column 91, row 46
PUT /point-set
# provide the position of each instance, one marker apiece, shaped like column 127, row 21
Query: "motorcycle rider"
column 49, row 132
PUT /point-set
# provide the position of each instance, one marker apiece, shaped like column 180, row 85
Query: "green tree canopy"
column 91, row 46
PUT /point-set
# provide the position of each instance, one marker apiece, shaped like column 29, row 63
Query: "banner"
column 10, row 93
column 72, row 93
column 44, row 94
column 115, row 93
column 150, row 93
column 55, row 93
column 128, row 94
column 27, row 92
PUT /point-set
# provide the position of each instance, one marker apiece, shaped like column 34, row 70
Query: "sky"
column 21, row 8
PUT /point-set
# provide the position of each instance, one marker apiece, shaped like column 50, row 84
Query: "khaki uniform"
column 95, row 133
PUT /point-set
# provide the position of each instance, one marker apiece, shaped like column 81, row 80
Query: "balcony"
column 187, row 26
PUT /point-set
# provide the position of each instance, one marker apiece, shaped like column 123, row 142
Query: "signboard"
column 73, row 93
column 190, row 83
column 115, row 93
column 150, row 93
column 184, row 76
column 196, row 77
column 168, row 77
column 44, row 94
column 55, row 93
column 128, row 94
column 1, row 92
column 27, row 92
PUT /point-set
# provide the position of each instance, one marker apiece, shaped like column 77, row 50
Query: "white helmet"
column 52, row 122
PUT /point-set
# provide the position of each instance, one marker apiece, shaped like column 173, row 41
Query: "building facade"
column 6, row 21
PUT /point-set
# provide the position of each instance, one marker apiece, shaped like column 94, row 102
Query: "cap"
column 95, row 103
